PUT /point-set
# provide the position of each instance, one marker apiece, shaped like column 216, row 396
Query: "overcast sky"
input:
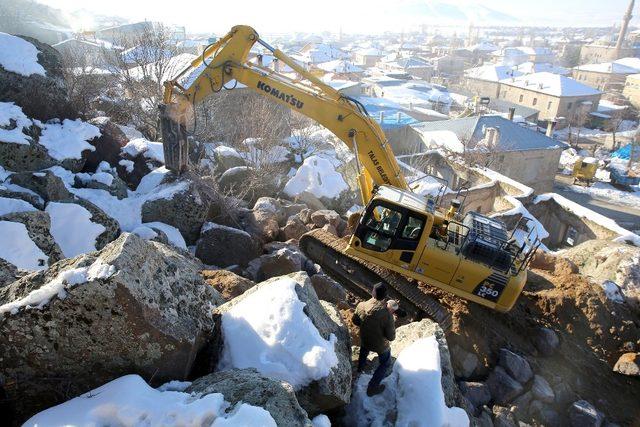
column 372, row 16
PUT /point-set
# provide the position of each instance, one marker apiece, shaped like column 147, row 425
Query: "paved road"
column 627, row 216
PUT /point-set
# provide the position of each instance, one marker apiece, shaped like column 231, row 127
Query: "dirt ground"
column 593, row 333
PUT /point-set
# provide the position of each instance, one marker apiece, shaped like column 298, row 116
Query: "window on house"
column 569, row 105
column 549, row 105
column 521, row 98
column 535, row 101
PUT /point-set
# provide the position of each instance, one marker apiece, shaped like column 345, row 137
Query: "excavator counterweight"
column 399, row 237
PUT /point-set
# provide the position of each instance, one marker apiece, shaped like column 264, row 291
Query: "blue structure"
column 625, row 152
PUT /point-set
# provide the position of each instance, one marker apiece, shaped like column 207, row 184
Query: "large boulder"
column 476, row 393
column 229, row 284
column 187, row 210
column 294, row 228
column 224, row 246
column 25, row 157
column 329, row 290
column 281, row 262
column 8, row 274
column 502, row 386
column 38, row 225
column 584, row 414
column 134, row 307
column 42, row 97
column 111, row 226
column 107, row 146
column 319, row 395
column 46, row 184
column 515, row 365
column 227, row 158
column 249, row 386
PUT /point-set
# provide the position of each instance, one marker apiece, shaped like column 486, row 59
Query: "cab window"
column 384, row 220
column 413, row 229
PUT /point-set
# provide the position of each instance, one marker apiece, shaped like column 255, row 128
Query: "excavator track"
column 359, row 276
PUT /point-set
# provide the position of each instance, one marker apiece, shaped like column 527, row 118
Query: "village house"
column 513, row 150
column 632, row 89
column 558, row 98
column 605, row 76
column 367, row 58
column 518, row 55
column 485, row 80
column 597, row 53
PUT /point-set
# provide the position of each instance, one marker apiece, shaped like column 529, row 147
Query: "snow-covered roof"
column 551, row 84
column 607, row 68
column 629, row 62
column 340, row 66
column 492, row 73
column 483, row 47
column 541, row 67
column 372, row 51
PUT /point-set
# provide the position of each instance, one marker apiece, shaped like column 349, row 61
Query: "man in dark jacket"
column 377, row 328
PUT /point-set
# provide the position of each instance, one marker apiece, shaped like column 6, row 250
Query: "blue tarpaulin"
column 625, row 152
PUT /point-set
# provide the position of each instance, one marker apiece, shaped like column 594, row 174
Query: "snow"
column 551, row 84
column 413, row 390
column 152, row 180
column 145, row 232
column 9, row 205
column 18, row 248
column 130, row 132
column 321, row 421
column 101, row 177
column 72, row 228
column 609, row 193
column 612, row 291
column 150, row 150
column 67, row 140
column 225, row 151
column 127, row 164
column 442, row 139
column 492, row 72
column 269, row 331
column 40, row 297
column 318, row 177
column 19, row 56
column 129, row 401
column 174, row 385
column 8, row 112
column 495, row 176
column 18, row 189
column 583, row 212
column 172, row 233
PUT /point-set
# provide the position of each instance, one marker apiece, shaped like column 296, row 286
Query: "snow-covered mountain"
column 452, row 12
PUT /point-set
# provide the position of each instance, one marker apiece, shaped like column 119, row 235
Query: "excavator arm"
column 226, row 62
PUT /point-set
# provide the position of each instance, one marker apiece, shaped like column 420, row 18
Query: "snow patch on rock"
column 318, row 177
column 19, row 56
column 130, row 401
column 72, row 228
column 270, row 332
column 18, row 248
column 67, row 140
column 8, row 112
column 9, row 205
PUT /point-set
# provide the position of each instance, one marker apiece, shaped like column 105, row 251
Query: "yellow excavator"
column 399, row 237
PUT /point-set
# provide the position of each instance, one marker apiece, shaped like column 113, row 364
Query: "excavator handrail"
column 343, row 116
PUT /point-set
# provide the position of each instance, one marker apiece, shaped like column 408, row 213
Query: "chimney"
column 623, row 29
column 551, row 125
column 512, row 112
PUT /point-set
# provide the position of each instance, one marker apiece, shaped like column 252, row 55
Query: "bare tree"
column 302, row 129
column 578, row 120
column 141, row 68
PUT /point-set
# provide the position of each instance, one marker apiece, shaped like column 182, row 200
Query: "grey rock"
column 464, row 362
column 262, row 224
column 584, row 414
column 502, row 417
column 310, row 200
column 18, row 192
column 521, row 404
column 502, row 386
column 279, row 263
column 328, row 289
column 334, row 390
column 107, row 146
column 186, row 210
column 564, row 394
column 294, row 228
column 41, row 97
column 515, row 365
column 322, row 217
column 150, row 316
column 9, row 273
column 542, row 390
column 223, row 246
column 546, row 341
column 628, row 364
column 38, row 224
column 269, row 204
column 484, row 419
column 25, row 157
column 291, row 208
column 477, row 393
column 249, row 386
column 45, row 183
column 225, row 161
column 544, row 414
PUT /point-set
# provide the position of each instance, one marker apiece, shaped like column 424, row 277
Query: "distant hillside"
column 450, row 12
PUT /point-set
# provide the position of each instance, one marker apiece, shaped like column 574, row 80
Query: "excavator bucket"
column 174, row 139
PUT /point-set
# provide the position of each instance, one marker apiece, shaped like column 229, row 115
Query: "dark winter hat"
column 379, row 291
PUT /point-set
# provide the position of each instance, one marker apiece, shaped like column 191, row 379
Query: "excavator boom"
column 227, row 61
